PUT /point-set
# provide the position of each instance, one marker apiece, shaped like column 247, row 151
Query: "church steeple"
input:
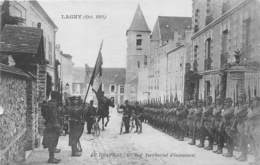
column 139, row 22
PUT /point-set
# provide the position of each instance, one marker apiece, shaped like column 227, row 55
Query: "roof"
column 109, row 75
column 167, row 25
column 139, row 22
column 13, row 70
column 20, row 39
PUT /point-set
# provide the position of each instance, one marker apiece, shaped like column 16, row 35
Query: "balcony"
column 208, row 64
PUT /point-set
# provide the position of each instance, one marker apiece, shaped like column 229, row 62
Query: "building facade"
column 65, row 71
column 156, row 68
column 225, row 47
column 35, row 16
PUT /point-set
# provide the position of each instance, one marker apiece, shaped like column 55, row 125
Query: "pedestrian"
column 52, row 130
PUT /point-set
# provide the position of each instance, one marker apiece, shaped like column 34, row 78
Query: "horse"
column 103, row 109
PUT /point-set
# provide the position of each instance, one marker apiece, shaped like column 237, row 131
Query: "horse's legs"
column 107, row 121
column 103, row 123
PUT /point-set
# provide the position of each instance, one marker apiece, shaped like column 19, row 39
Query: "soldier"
column 228, row 119
column 76, row 125
column 181, row 116
column 254, row 129
column 127, row 112
column 138, row 112
column 205, row 128
column 218, row 126
column 196, row 121
column 190, row 118
column 241, row 116
column 52, row 130
column 90, row 116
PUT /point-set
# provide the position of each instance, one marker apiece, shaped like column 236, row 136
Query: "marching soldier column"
column 237, row 125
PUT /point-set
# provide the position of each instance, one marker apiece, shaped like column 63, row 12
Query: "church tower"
column 138, row 46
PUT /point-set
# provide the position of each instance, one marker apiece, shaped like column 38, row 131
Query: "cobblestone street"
column 151, row 147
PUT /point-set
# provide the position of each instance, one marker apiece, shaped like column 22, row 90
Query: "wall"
column 233, row 22
column 18, row 123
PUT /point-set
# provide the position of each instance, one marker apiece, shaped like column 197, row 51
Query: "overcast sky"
column 81, row 37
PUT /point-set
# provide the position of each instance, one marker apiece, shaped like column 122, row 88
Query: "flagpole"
column 92, row 74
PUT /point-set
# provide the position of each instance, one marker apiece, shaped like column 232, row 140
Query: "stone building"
column 226, row 47
column 113, row 83
column 138, row 47
column 168, row 57
column 22, row 75
column 35, row 16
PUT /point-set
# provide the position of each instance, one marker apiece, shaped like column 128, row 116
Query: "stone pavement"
column 152, row 147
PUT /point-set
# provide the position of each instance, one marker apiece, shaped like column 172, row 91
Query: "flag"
column 95, row 80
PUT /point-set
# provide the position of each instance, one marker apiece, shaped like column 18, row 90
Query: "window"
column 246, row 37
column 195, row 51
column 145, row 60
column 50, row 52
column 122, row 89
column 138, row 42
column 138, row 64
column 208, row 47
column 112, row 88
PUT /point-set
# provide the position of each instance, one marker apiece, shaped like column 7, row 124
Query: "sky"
column 81, row 37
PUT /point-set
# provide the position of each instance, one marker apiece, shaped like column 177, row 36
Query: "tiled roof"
column 110, row 75
column 169, row 25
column 20, row 39
column 139, row 22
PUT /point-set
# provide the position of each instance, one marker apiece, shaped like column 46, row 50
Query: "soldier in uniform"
column 76, row 112
column 196, row 121
column 240, row 123
column 52, row 130
column 218, row 126
column 206, row 125
column 90, row 116
column 181, row 116
column 254, row 129
column 138, row 112
column 127, row 112
column 227, row 121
